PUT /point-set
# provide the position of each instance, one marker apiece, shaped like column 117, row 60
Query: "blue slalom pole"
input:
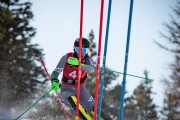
column 104, row 61
column 126, row 61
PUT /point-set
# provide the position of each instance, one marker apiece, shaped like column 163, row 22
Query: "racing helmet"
column 85, row 45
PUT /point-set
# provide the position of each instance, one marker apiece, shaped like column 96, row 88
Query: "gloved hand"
column 55, row 85
column 73, row 61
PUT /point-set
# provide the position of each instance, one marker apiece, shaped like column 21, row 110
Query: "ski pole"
column 148, row 79
column 45, row 94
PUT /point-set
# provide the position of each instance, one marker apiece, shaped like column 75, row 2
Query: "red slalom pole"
column 98, row 60
column 79, row 58
column 58, row 97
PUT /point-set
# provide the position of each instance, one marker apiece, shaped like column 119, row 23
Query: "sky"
column 57, row 23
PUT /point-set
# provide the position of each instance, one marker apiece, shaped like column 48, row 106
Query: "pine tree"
column 90, row 83
column 140, row 105
column 20, row 70
column 171, row 106
column 111, row 101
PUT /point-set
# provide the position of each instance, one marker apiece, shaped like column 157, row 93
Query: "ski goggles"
column 84, row 50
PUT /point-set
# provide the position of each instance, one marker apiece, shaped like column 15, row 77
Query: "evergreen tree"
column 111, row 101
column 90, row 82
column 171, row 106
column 20, row 70
column 140, row 105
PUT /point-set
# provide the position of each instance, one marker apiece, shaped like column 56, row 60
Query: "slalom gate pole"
column 148, row 79
column 104, row 61
column 98, row 60
column 45, row 94
column 79, row 59
column 126, row 62
column 58, row 96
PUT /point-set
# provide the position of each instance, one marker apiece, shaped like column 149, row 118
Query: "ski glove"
column 55, row 85
column 73, row 61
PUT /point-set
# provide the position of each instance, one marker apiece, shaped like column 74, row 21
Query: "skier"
column 68, row 64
